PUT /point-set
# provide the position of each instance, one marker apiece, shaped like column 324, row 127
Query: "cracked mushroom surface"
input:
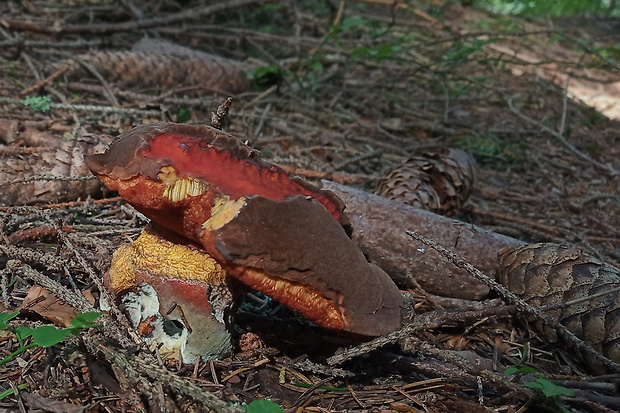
column 279, row 235
column 175, row 295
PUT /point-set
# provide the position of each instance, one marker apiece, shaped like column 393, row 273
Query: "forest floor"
column 342, row 93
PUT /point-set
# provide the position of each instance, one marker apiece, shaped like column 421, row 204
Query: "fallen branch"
column 377, row 228
column 133, row 25
column 136, row 368
column 560, row 137
column 426, row 321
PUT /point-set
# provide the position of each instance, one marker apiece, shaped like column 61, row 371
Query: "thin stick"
column 578, row 300
column 133, row 25
column 178, row 384
column 562, row 140
column 47, row 81
column 90, row 108
column 261, row 121
column 415, row 344
column 518, row 220
column 564, row 106
column 426, row 321
column 106, row 87
column 47, row 177
column 355, row 159
column 338, row 18
column 220, row 113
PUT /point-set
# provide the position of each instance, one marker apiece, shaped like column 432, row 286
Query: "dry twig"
column 220, row 113
column 560, row 137
column 130, row 26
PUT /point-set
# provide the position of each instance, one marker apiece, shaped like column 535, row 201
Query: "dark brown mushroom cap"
column 297, row 241
column 281, row 236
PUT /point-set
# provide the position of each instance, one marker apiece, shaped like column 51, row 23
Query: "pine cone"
column 131, row 69
column 65, row 158
column 440, row 182
column 549, row 274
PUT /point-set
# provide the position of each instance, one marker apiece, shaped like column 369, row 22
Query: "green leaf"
column 5, row 318
column 316, row 66
column 47, row 336
column 183, row 115
column 511, row 370
column 38, row 103
column 23, row 332
column 263, row 71
column 265, row 75
column 264, row 406
column 361, row 51
column 533, row 385
column 351, row 22
column 271, row 7
column 550, row 389
column 555, row 38
column 86, row 320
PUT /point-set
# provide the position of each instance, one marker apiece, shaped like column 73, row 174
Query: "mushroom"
column 282, row 236
column 169, row 290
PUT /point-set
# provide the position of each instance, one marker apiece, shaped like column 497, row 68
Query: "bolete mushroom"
column 279, row 235
column 171, row 289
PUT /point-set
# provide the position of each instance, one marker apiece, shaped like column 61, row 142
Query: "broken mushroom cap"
column 175, row 296
column 280, row 236
column 188, row 159
column 296, row 253
column 154, row 252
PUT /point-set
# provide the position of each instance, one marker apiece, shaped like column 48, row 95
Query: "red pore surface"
column 199, row 152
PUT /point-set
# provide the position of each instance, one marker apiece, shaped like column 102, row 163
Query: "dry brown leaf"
column 45, row 304
column 49, row 405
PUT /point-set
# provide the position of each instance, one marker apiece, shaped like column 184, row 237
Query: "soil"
column 342, row 91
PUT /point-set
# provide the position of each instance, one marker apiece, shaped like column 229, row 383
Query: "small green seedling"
column 264, row 76
column 38, row 103
column 260, row 406
column 183, row 115
column 44, row 336
column 544, row 385
column 264, row 406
